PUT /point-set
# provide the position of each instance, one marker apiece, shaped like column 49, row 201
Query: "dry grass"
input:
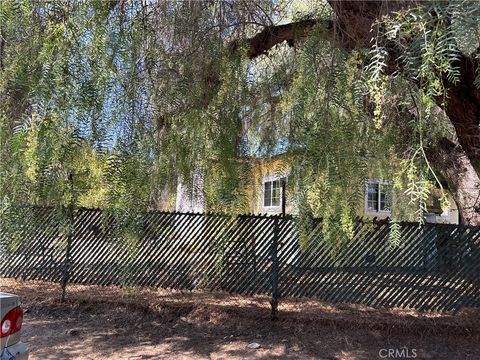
column 111, row 323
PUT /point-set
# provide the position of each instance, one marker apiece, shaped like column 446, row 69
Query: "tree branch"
column 351, row 29
column 276, row 34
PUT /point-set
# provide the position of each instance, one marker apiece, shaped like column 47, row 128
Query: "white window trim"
column 379, row 212
column 272, row 178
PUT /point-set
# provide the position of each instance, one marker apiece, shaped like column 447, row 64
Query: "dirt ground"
column 108, row 323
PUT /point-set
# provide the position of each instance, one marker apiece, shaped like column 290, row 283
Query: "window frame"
column 378, row 212
column 271, row 179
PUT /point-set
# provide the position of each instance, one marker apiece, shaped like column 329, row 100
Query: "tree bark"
column 276, row 34
column 462, row 178
column 462, row 106
column 354, row 19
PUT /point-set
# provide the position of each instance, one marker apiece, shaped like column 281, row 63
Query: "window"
column 272, row 192
column 378, row 197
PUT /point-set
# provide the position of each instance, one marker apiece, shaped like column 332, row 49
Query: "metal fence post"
column 66, row 265
column 275, row 268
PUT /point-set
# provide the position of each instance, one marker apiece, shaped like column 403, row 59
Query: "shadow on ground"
column 175, row 325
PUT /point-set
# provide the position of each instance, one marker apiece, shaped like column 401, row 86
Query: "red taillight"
column 12, row 322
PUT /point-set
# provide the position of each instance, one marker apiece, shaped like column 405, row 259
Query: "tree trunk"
column 463, row 108
column 462, row 178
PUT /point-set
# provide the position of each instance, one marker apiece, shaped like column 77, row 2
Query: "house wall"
column 190, row 199
column 448, row 216
column 264, row 169
column 401, row 206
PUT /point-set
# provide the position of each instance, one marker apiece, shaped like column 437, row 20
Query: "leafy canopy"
column 110, row 103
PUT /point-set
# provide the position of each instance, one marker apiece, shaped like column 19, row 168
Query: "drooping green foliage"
column 111, row 103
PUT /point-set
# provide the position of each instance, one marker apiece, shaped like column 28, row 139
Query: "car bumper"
column 18, row 351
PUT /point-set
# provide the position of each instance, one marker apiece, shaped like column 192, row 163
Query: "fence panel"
column 33, row 244
column 433, row 267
